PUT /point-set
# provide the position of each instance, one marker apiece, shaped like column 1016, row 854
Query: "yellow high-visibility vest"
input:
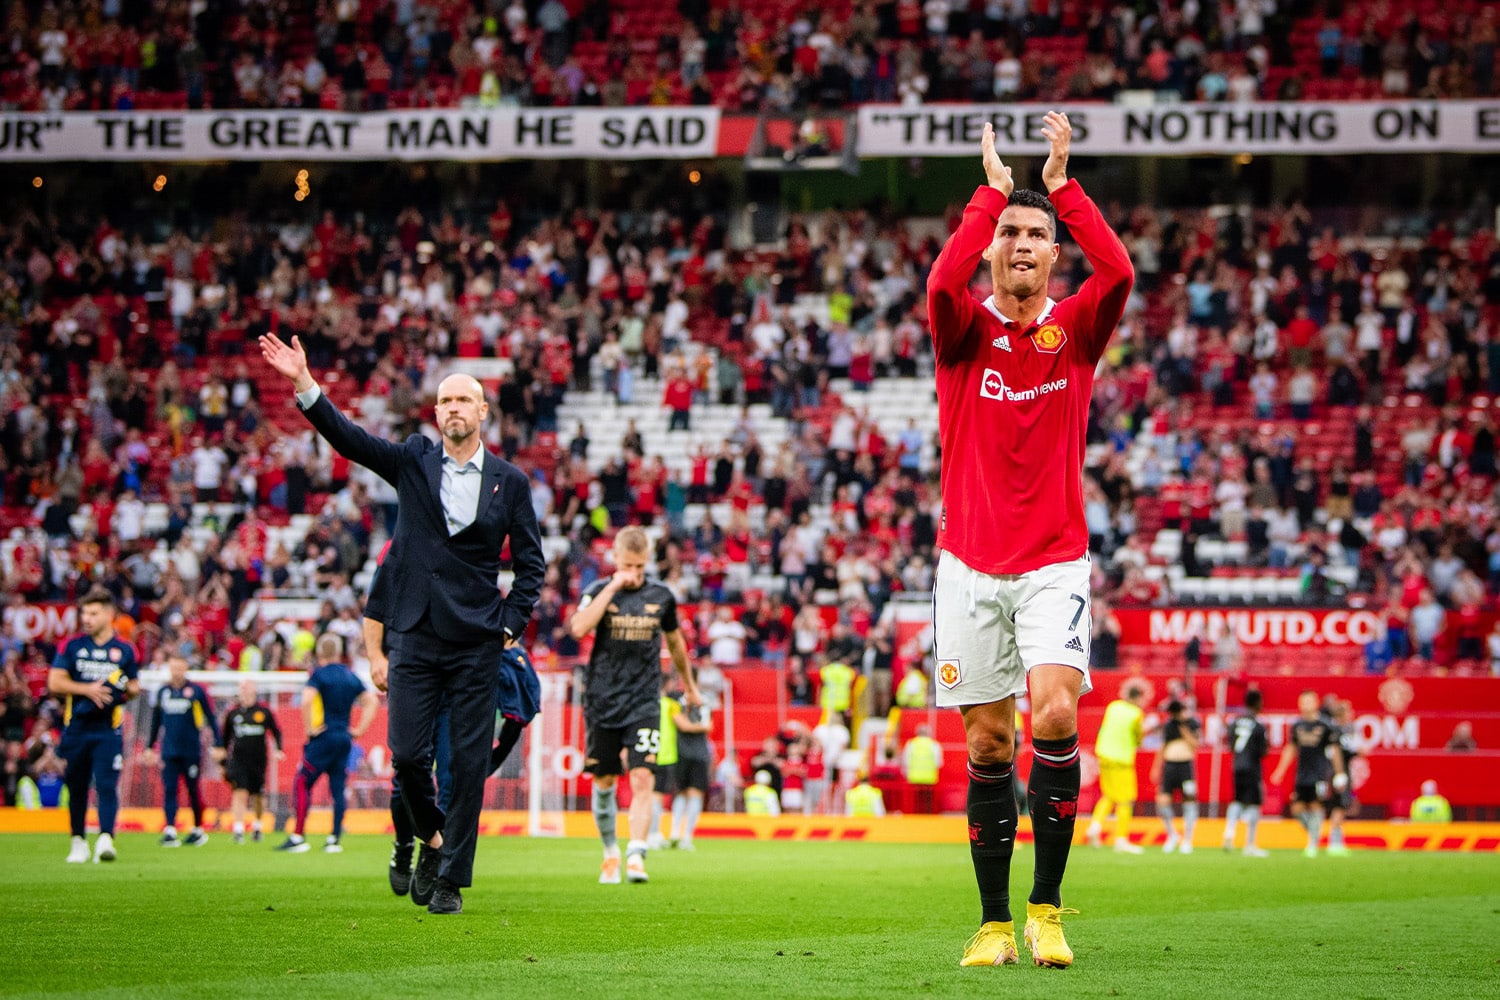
column 923, row 759
column 838, row 686
column 760, row 800
column 864, row 799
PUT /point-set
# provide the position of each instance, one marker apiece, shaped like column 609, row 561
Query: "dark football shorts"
column 245, row 776
column 666, row 778
column 1249, row 790
column 692, row 774
column 1177, row 776
column 1310, row 793
column 638, row 742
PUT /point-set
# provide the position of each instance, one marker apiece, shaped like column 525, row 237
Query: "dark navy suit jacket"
column 451, row 580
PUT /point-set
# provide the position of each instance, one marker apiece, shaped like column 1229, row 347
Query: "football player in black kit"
column 1313, row 743
column 1247, row 740
column 1340, row 799
column 243, row 735
column 630, row 616
column 1174, row 774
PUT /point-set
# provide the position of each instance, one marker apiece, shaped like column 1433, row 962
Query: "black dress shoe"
column 446, row 898
column 400, row 870
column 424, row 878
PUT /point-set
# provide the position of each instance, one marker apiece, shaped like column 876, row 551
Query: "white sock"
column 1231, row 822
column 694, row 810
column 679, row 816
column 605, row 809
column 1314, row 829
column 1189, row 819
column 255, row 827
column 169, row 831
column 1336, row 836
column 239, row 829
column 1252, row 823
column 1166, row 820
column 655, row 830
column 636, row 847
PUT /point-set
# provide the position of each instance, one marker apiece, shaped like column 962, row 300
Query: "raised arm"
column 1104, row 293
column 950, row 307
column 592, row 607
column 380, row 456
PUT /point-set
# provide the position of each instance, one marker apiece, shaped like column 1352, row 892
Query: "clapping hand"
column 995, row 172
column 1059, row 133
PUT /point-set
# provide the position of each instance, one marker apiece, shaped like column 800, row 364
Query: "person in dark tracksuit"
column 180, row 711
column 332, row 694
column 95, row 674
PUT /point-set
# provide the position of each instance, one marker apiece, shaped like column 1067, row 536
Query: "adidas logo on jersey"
column 1002, row 342
column 1074, row 645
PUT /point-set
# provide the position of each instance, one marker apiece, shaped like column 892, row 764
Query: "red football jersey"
column 1013, row 403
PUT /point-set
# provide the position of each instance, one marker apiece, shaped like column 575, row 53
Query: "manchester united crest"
column 948, row 674
column 1396, row 695
column 1050, row 338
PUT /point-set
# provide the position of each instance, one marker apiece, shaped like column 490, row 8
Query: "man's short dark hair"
column 1253, row 699
column 1174, row 706
column 1027, row 198
column 97, row 595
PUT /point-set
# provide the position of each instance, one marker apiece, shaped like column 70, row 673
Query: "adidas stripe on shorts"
column 988, row 631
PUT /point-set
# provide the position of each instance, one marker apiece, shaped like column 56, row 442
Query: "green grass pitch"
column 736, row 919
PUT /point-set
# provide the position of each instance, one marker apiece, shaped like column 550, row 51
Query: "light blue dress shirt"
column 459, row 490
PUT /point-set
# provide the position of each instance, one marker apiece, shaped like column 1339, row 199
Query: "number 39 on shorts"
column 647, row 740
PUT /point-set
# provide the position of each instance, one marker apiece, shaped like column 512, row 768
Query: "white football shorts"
column 989, row 631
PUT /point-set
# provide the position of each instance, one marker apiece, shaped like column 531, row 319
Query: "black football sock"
column 1053, row 797
column 992, row 836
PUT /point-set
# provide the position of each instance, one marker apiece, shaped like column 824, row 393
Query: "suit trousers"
column 424, row 668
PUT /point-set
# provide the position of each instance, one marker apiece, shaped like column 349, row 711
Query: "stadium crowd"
column 356, row 55
column 1316, row 396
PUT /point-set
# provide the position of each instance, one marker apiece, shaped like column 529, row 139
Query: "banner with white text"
column 493, row 134
column 1302, row 127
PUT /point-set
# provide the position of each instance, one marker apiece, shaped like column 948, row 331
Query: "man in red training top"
column 1011, row 597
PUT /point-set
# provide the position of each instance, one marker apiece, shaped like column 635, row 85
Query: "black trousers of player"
column 423, row 668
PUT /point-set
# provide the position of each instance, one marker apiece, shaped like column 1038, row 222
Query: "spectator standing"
column 921, row 765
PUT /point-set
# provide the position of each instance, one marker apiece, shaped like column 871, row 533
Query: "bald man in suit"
column 437, row 594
